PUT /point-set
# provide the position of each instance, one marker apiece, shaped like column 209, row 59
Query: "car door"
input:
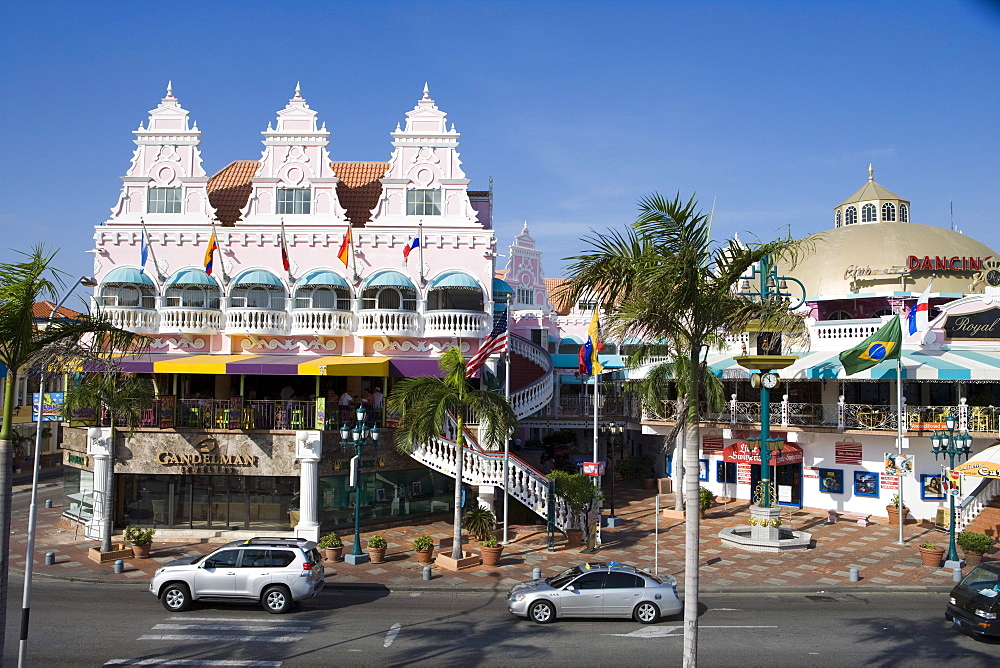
column 217, row 575
column 255, row 567
column 586, row 599
column 622, row 591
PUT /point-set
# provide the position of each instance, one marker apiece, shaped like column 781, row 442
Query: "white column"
column 308, row 450
column 99, row 450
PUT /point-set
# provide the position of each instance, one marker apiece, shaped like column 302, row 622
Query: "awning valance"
column 129, row 275
column 258, row 277
column 258, row 365
column 323, row 277
column 455, row 279
column 741, row 453
column 389, row 278
column 192, row 276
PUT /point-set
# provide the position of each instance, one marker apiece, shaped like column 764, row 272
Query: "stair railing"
column 973, row 504
column 531, row 399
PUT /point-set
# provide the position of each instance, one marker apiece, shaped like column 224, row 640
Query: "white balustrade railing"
column 196, row 320
column 537, row 395
column 456, row 323
column 972, row 505
column 389, row 323
column 836, row 334
column 256, row 321
column 141, row 321
column 322, row 321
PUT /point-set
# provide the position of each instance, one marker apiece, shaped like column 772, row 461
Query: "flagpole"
column 420, row 249
column 152, row 253
column 350, row 249
column 506, row 447
column 899, row 442
column 222, row 263
column 284, row 251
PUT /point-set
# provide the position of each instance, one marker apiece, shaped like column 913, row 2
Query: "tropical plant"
column 479, row 521
column 330, row 541
column 27, row 344
column 490, row 541
column 705, row 498
column 579, row 494
column 663, row 279
column 423, row 543
column 377, row 542
column 895, row 500
column 138, row 535
column 125, row 398
column 976, row 543
column 928, row 546
column 428, row 405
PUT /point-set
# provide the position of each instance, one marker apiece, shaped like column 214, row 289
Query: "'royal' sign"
column 984, row 325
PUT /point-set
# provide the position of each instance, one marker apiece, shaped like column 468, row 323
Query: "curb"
column 41, row 486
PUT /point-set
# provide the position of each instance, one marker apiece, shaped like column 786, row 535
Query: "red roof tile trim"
column 359, row 188
column 229, row 189
column 43, row 309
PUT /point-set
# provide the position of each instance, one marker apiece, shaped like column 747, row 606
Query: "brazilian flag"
column 885, row 344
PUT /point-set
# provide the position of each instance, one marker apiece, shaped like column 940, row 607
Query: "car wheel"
column 276, row 599
column 646, row 613
column 542, row 612
column 176, row 597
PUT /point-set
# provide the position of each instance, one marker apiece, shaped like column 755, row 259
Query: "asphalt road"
column 92, row 625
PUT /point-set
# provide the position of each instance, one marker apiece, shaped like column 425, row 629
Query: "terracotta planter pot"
column 894, row 514
column 377, row 555
column 490, row 555
column 649, row 483
column 334, row 553
column 425, row 556
column 973, row 559
column 574, row 538
column 932, row 557
column 142, row 551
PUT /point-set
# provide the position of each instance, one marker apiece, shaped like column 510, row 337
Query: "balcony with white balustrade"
column 189, row 320
column 322, row 322
column 256, row 321
column 457, row 323
column 379, row 322
column 132, row 319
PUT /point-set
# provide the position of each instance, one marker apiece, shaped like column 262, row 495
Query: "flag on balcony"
column 284, row 249
column 213, row 245
column 345, row 248
column 413, row 245
column 143, row 251
column 885, row 344
column 919, row 312
column 589, row 363
column 495, row 343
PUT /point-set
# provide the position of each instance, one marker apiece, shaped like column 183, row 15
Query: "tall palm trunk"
column 692, row 520
column 678, row 458
column 456, row 549
column 6, row 482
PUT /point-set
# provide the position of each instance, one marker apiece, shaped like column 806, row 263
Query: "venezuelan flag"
column 213, row 245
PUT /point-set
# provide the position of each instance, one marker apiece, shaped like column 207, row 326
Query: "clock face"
column 993, row 277
column 769, row 380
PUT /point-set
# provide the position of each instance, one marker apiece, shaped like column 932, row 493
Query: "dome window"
column 851, row 215
column 904, row 213
column 869, row 213
column 888, row 212
column 838, row 217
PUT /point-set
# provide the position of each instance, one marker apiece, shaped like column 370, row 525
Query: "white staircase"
column 482, row 467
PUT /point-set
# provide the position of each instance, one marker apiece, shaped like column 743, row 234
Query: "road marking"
column 249, row 620
column 189, row 662
column 724, row 610
column 668, row 631
column 217, row 637
column 414, row 594
column 228, row 627
column 391, row 635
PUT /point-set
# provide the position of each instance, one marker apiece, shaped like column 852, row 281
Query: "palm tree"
column 427, row 406
column 24, row 344
column 125, row 398
column 663, row 279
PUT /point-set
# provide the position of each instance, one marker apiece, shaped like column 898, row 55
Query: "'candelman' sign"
column 198, row 459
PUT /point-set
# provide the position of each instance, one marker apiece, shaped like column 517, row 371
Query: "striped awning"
column 258, row 365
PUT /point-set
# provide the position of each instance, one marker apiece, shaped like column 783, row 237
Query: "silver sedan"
column 605, row 589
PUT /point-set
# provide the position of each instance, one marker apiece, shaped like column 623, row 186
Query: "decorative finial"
column 170, row 89
column 871, row 172
column 427, row 92
column 298, row 89
column 398, row 128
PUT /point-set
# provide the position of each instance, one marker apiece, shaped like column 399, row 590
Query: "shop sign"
column 593, row 468
column 945, row 263
column 983, row 326
column 51, row 407
column 980, row 469
column 856, row 271
column 741, row 452
column 77, row 459
column 890, row 482
column 847, row 452
column 810, row 472
column 208, row 463
column 742, row 474
column 711, row 445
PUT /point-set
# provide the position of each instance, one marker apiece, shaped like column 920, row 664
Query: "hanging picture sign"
column 847, row 452
column 898, row 464
column 593, row 468
column 810, row 472
column 742, row 474
column 952, row 482
column 890, row 482
column 711, row 445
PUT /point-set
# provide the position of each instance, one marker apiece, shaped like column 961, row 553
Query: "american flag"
column 495, row 343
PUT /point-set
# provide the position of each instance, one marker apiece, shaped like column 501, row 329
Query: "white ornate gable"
column 425, row 157
column 295, row 156
column 166, row 156
column 524, row 272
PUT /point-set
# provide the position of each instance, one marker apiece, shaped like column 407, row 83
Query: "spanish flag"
column 213, row 245
column 345, row 248
column 885, row 344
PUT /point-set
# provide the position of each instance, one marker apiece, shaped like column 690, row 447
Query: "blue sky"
column 576, row 109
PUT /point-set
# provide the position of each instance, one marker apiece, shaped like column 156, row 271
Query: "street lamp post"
column 947, row 442
column 358, row 436
column 22, row 651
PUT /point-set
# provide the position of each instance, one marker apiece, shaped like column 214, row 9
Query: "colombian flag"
column 213, row 245
column 885, row 344
column 345, row 248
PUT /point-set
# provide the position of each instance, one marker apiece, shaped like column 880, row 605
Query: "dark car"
column 975, row 601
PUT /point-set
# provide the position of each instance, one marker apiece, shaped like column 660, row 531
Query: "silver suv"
column 274, row 571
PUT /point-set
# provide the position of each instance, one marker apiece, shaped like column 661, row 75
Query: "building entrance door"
column 786, row 479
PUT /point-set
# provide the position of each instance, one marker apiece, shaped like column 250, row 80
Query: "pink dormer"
column 524, row 273
column 166, row 177
column 425, row 182
column 295, row 181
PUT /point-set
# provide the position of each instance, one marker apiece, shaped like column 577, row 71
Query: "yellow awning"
column 339, row 365
column 197, row 364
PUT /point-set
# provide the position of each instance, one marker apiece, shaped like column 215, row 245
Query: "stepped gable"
column 360, row 188
column 229, row 189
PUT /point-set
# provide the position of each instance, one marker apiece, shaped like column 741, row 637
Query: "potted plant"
column 479, row 521
column 974, row 545
column 577, row 491
column 423, row 546
column 894, row 513
column 332, row 545
column 931, row 554
column 706, row 498
column 490, row 550
column 141, row 540
column 376, row 549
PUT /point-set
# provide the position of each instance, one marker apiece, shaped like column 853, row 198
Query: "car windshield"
column 984, row 581
column 564, row 578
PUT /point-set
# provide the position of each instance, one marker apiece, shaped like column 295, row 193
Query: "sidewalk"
column 883, row 564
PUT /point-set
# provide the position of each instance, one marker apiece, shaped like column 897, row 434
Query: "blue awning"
column 389, row 278
column 128, row 275
column 455, row 279
column 501, row 287
column 192, row 277
column 323, row 277
column 258, row 277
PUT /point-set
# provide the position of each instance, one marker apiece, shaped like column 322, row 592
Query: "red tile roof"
column 359, row 188
column 229, row 189
column 552, row 286
column 43, row 309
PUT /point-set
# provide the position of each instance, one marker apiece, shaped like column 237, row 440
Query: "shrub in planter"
column 577, row 491
column 376, row 549
column 976, row 544
column 332, row 545
column 931, row 554
column 706, row 498
column 490, row 550
column 141, row 539
column 423, row 546
column 479, row 521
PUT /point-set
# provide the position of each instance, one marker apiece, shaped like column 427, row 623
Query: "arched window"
column 838, row 217
column 888, row 212
column 258, row 289
column 389, row 298
column 881, row 312
column 904, row 213
column 851, row 215
column 192, row 288
column 840, row 315
column 331, row 297
column 869, row 213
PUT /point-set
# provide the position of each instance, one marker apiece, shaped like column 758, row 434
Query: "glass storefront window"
column 384, row 494
column 78, row 487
